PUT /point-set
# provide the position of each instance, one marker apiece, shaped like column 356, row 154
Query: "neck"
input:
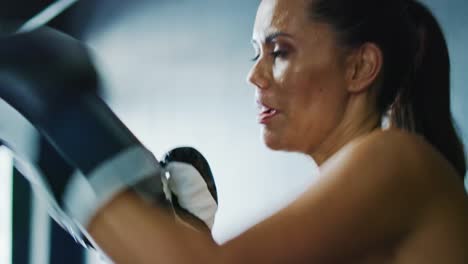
column 360, row 118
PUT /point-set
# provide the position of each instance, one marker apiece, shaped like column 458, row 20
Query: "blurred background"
column 174, row 72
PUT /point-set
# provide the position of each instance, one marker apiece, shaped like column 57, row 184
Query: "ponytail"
column 422, row 104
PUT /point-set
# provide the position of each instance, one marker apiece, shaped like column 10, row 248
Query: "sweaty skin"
column 383, row 196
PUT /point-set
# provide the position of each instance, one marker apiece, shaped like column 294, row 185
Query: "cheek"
column 304, row 87
column 315, row 99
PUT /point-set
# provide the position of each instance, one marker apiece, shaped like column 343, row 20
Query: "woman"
column 326, row 74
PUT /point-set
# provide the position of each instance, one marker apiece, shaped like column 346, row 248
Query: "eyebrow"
column 271, row 37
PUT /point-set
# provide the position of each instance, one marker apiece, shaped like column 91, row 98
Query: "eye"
column 279, row 53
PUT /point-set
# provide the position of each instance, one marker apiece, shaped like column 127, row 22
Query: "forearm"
column 131, row 231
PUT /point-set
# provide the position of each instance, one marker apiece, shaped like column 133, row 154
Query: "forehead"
column 280, row 15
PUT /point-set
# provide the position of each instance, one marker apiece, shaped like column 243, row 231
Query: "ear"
column 364, row 66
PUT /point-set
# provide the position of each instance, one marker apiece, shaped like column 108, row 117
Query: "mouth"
column 266, row 113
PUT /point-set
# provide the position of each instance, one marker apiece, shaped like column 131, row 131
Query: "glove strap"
column 85, row 195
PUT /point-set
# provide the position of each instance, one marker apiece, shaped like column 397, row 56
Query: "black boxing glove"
column 49, row 80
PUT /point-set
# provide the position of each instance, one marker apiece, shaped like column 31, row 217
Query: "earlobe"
column 366, row 65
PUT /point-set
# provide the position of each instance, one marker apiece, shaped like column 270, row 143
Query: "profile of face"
column 299, row 76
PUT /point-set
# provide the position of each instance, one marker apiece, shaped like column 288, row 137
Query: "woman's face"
column 299, row 76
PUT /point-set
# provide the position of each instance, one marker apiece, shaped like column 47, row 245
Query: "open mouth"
column 266, row 114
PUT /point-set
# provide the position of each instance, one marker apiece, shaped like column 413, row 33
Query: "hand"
column 194, row 195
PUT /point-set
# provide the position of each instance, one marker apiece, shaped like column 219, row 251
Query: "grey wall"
column 177, row 70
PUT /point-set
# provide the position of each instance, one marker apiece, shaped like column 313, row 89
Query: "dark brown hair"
column 415, row 76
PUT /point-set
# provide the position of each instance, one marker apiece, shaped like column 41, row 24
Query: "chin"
column 273, row 141
column 281, row 142
column 273, row 146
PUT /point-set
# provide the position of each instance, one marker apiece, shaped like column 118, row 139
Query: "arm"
column 364, row 199
column 131, row 231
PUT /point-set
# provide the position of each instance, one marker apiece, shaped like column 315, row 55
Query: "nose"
column 258, row 75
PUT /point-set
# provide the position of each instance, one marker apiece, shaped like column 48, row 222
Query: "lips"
column 266, row 112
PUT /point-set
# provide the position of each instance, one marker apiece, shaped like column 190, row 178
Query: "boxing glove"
column 192, row 186
column 49, row 80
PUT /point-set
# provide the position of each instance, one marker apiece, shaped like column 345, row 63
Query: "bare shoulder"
column 394, row 158
column 411, row 179
column 391, row 162
column 406, row 166
column 395, row 153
